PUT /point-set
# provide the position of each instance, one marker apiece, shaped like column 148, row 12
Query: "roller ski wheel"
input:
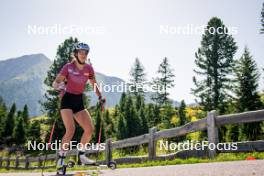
column 61, row 171
column 70, row 164
column 112, row 165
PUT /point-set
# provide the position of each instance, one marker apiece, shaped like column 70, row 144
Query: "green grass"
column 220, row 158
column 120, row 153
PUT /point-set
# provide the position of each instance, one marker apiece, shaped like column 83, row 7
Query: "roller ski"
column 61, row 166
column 82, row 160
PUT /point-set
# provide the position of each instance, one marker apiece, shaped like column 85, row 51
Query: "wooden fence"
column 211, row 124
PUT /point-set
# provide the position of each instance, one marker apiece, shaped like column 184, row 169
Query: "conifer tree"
column 163, row 82
column 262, row 19
column 9, row 124
column 248, row 99
column 138, row 78
column 19, row 133
column 214, row 61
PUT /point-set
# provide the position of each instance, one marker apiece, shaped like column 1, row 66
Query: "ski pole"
column 100, row 130
column 50, row 139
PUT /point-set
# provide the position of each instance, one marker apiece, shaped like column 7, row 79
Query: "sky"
column 118, row 31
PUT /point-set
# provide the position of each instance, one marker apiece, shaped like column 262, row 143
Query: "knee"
column 89, row 131
column 70, row 131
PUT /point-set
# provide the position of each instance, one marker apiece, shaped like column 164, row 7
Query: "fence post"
column 212, row 132
column 17, row 162
column 1, row 162
column 152, row 144
column 108, row 150
column 8, row 162
column 39, row 161
column 57, row 157
column 27, row 162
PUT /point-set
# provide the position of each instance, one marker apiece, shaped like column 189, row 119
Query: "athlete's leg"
column 67, row 118
column 68, row 121
column 85, row 121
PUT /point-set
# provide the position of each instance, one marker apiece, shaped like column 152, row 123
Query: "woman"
column 77, row 73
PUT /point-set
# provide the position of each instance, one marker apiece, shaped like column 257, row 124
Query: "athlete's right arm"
column 58, row 82
column 60, row 78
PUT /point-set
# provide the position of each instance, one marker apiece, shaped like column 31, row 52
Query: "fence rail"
column 211, row 123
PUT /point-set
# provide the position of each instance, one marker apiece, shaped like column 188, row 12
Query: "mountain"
column 113, row 97
column 21, row 81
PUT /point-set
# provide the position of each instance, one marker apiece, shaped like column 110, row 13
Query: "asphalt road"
column 232, row 168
